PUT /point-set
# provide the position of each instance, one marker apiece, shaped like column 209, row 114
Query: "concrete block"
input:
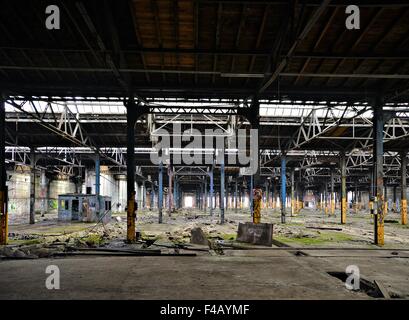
column 255, row 233
column 198, row 236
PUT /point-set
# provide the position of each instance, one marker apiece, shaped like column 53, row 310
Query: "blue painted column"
column 222, row 189
column 283, row 188
column 175, row 193
column 160, row 191
column 97, row 174
column 211, row 190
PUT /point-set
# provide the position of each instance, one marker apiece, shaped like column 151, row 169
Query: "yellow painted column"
column 403, row 187
column 380, row 222
column 257, row 196
column 343, row 190
column 404, row 211
column 332, row 205
column 344, row 210
column 131, row 235
column 3, row 219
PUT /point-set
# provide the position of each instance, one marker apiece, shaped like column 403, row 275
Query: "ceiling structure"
column 315, row 80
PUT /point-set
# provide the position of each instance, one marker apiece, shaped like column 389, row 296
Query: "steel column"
column 332, row 197
column 343, row 189
column 222, row 188
column 160, row 191
column 251, row 195
column 97, row 175
column 205, row 194
column 379, row 214
column 170, row 175
column 3, row 175
column 152, row 205
column 283, row 187
column 32, row 186
column 43, row 193
column 235, row 194
column 143, row 194
column 130, row 172
column 211, row 189
column 403, row 201
column 175, row 193
column 292, row 193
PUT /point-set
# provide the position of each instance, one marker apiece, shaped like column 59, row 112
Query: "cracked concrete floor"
column 275, row 273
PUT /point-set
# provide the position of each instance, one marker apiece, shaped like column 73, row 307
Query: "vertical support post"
column 32, row 186
column 222, row 188
column 283, row 187
column 175, row 192
column 385, row 194
column 251, row 194
column 43, row 193
column 160, row 191
column 3, row 176
column 371, row 192
column 130, row 171
column 356, row 197
column 152, row 204
column 97, row 175
column 211, row 189
column 205, row 194
column 292, row 193
column 343, row 189
column 144, row 194
column 379, row 213
column 403, row 201
column 170, row 175
column 274, row 193
column 332, row 198
column 394, row 198
column 235, row 194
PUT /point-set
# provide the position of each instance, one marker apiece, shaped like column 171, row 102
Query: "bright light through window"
column 188, row 202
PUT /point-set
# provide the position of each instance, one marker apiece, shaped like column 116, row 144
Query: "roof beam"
column 316, row 15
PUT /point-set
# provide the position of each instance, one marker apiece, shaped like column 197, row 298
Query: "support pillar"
column 130, row 172
column 43, row 192
column 211, row 189
column 97, row 175
column 175, row 193
column 403, row 201
column 394, row 198
column 283, row 188
column 205, row 194
column 293, row 204
column 235, row 194
column 379, row 213
column 170, row 200
column 385, row 194
column 332, row 196
column 32, row 187
column 144, row 195
column 222, row 188
column 3, row 176
column 343, row 189
column 251, row 194
column 152, row 204
column 160, row 191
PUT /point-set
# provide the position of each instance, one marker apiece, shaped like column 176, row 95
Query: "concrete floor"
column 243, row 274
column 272, row 273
